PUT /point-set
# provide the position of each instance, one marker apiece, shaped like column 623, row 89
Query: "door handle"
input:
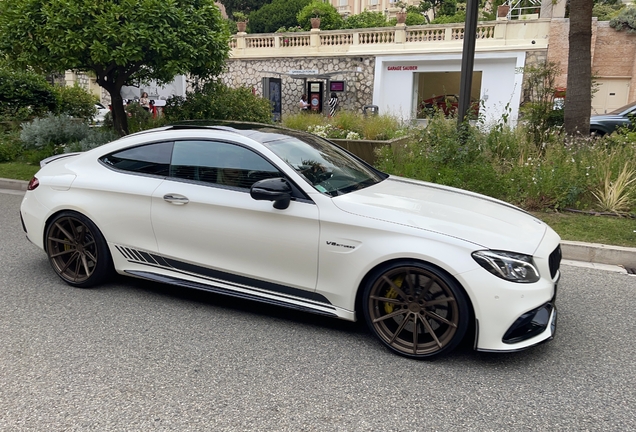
column 176, row 199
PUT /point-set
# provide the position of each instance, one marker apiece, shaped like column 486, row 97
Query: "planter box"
column 366, row 149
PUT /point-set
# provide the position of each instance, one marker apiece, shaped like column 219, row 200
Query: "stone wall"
column 358, row 73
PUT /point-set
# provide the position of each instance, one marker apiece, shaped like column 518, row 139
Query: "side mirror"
column 273, row 189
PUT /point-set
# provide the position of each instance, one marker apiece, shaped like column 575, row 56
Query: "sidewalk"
column 572, row 251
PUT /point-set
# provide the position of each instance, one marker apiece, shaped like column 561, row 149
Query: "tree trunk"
column 578, row 98
column 112, row 82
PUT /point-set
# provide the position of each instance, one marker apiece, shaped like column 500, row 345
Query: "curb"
column 13, row 184
column 571, row 250
column 599, row 253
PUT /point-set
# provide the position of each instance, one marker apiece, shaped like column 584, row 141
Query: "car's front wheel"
column 415, row 309
column 77, row 250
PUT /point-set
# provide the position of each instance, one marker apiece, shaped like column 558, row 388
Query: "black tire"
column 77, row 250
column 406, row 296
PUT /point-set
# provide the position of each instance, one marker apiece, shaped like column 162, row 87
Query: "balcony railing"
column 491, row 34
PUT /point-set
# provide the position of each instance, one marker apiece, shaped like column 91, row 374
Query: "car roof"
column 259, row 132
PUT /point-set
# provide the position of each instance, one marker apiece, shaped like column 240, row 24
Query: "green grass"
column 610, row 230
column 18, row 170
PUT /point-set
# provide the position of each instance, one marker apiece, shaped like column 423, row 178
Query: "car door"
column 204, row 217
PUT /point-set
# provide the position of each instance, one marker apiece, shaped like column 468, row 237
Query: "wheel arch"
column 368, row 275
column 53, row 215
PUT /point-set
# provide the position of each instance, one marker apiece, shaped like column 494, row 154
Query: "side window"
column 219, row 163
column 146, row 159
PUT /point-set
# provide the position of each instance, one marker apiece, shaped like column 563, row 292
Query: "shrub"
column 52, row 131
column 24, row 95
column 75, row 102
column 366, row 19
column 625, row 20
column 10, row 146
column 348, row 125
column 218, row 101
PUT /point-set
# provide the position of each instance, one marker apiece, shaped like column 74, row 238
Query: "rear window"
column 147, row 159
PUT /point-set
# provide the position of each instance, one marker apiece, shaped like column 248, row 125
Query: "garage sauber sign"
column 402, row 68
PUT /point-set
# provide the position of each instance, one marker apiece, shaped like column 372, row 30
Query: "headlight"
column 510, row 266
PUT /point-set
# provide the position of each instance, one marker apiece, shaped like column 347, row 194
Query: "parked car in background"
column 290, row 219
column 610, row 122
column 448, row 104
column 98, row 118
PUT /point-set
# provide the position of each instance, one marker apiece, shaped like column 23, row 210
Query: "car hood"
column 606, row 117
column 484, row 221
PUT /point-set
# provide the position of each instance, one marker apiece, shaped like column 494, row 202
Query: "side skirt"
column 220, row 290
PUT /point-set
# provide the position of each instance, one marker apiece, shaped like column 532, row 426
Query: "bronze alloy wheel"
column 416, row 310
column 76, row 250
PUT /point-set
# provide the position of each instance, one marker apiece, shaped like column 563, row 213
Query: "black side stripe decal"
column 172, row 264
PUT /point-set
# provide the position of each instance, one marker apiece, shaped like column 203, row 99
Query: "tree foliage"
column 277, row 14
column 626, row 20
column 245, row 6
column 24, row 95
column 330, row 19
column 124, row 42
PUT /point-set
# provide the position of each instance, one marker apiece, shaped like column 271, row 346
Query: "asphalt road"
column 135, row 356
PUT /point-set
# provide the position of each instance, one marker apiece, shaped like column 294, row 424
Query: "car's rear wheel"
column 77, row 250
column 416, row 309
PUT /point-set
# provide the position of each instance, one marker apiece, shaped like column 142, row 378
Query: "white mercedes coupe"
column 288, row 218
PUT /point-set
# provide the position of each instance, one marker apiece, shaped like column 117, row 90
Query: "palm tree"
column 578, row 99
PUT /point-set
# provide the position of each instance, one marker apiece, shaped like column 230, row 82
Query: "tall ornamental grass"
column 581, row 173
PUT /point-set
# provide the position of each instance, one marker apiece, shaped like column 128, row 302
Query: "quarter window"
column 219, row 163
column 146, row 159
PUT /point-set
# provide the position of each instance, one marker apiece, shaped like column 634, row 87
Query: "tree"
column 578, row 99
column 124, row 42
column 330, row 19
column 277, row 14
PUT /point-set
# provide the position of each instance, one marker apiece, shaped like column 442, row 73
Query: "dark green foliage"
column 24, row 95
column 246, row 6
column 414, row 18
column 366, row 19
column 626, row 20
column 217, row 101
column 10, row 146
column 279, row 13
column 75, row 102
column 122, row 42
column 605, row 12
column 330, row 19
column 447, row 8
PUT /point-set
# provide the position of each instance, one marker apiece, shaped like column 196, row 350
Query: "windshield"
column 325, row 166
column 624, row 108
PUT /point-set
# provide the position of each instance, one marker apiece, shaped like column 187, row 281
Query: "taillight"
column 34, row 183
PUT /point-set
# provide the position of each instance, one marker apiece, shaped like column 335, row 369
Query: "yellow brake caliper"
column 392, row 293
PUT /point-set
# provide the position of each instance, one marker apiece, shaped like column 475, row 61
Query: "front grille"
column 555, row 261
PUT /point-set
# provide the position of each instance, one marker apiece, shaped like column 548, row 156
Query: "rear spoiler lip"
column 56, row 157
